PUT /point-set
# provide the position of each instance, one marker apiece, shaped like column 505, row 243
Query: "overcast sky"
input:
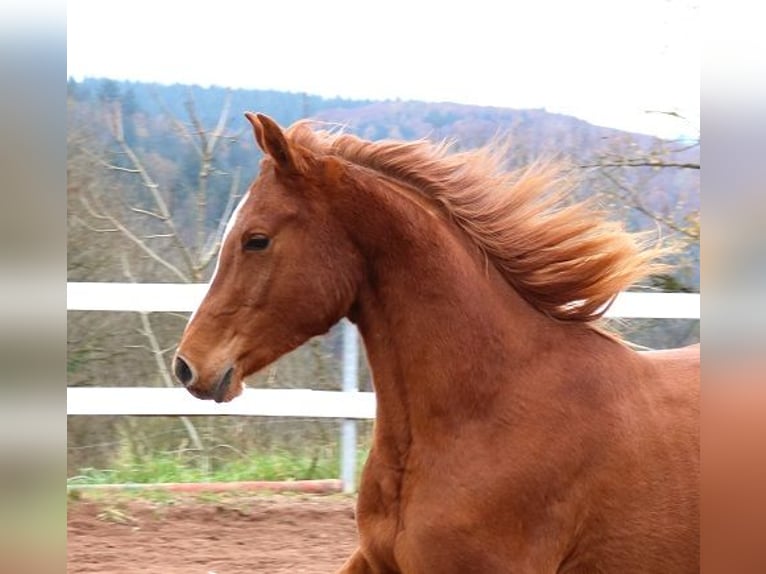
column 606, row 61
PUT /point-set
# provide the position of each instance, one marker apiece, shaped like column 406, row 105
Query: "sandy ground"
column 215, row 534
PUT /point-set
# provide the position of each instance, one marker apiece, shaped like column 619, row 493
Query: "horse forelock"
column 563, row 256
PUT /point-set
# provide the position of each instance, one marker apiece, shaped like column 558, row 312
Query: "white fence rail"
column 349, row 404
column 180, row 297
column 304, row 403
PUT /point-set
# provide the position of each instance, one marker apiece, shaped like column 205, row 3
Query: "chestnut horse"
column 512, row 433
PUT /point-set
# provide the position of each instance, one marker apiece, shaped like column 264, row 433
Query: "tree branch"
column 153, row 190
column 162, row 367
column 119, row 226
column 147, row 212
column 638, row 205
column 639, row 162
column 178, row 124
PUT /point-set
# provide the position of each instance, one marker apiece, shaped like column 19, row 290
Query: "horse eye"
column 256, row 243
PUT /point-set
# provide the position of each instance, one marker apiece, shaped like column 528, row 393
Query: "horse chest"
column 410, row 523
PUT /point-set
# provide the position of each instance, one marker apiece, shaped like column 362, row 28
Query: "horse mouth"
column 221, row 390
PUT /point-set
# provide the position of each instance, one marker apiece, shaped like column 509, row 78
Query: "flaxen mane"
column 564, row 258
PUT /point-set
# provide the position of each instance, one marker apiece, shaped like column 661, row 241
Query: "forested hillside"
column 154, row 171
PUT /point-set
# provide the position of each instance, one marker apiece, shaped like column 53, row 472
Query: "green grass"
column 170, row 467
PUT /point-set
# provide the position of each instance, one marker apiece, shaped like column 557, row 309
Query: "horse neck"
column 441, row 328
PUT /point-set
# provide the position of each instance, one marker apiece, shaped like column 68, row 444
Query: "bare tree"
column 637, row 178
column 185, row 258
column 159, row 244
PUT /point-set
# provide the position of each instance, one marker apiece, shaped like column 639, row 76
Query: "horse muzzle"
column 219, row 390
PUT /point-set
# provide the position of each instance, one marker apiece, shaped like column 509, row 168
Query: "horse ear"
column 271, row 139
column 257, row 128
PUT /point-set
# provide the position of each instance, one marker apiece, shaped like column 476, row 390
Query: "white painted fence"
column 182, row 297
column 158, row 401
column 348, row 405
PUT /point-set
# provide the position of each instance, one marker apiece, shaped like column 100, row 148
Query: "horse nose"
column 183, row 372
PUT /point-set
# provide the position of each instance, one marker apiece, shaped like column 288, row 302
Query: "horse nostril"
column 183, row 371
column 223, row 386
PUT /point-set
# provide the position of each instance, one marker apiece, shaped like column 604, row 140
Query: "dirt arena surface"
column 120, row 534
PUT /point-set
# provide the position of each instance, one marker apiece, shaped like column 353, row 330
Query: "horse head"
column 286, row 271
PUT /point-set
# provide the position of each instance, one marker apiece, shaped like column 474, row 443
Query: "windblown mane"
column 566, row 259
